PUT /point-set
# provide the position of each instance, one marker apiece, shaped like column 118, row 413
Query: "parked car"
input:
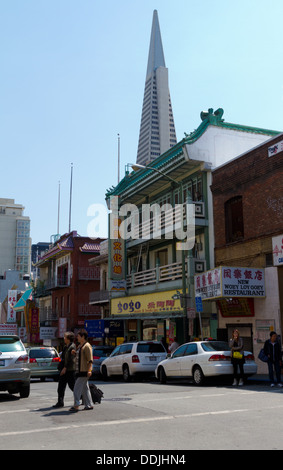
column 43, row 362
column 202, row 359
column 14, row 370
column 99, row 354
column 130, row 359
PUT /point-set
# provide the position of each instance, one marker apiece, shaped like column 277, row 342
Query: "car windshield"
column 42, row 353
column 150, row 348
column 11, row 344
column 215, row 346
column 102, row 352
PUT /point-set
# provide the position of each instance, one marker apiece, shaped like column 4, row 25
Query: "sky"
column 72, row 78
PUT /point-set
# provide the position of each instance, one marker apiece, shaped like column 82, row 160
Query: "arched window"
column 234, row 219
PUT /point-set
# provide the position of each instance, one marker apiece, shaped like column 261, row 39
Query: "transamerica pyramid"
column 157, row 129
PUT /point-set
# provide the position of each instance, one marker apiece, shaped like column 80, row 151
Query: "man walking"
column 272, row 350
column 84, row 359
column 67, row 368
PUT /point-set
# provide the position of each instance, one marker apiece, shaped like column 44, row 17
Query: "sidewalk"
column 260, row 378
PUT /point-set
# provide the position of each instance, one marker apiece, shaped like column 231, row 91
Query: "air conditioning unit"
column 199, row 265
column 199, row 209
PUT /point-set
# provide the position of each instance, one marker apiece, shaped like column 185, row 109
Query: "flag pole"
column 70, row 206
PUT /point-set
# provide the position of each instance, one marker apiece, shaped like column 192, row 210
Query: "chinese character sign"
column 159, row 302
column 117, row 257
column 230, row 282
column 12, row 300
column 243, row 282
column 277, row 248
column 208, row 284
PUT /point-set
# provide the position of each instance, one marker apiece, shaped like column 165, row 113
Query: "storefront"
column 155, row 316
column 246, row 299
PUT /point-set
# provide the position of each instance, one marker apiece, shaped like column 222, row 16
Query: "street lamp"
column 137, row 166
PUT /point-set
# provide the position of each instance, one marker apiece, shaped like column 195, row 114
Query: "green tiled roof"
column 208, row 118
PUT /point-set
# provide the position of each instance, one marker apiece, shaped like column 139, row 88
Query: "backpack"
column 96, row 393
column 262, row 356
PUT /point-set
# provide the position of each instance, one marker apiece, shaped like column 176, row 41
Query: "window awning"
column 20, row 305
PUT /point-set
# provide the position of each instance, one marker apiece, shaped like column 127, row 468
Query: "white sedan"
column 202, row 359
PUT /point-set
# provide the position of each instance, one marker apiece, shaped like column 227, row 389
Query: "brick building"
column 66, row 280
column 248, row 219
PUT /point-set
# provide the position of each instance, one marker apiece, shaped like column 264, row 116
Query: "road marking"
column 131, row 421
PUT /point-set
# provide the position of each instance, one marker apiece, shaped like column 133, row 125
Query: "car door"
column 112, row 361
column 188, row 360
column 173, row 366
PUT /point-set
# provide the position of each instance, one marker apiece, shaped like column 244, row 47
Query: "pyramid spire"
column 156, row 54
column 157, row 129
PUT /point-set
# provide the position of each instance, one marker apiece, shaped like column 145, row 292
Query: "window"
column 180, row 351
column 150, row 348
column 126, row 349
column 191, row 349
column 234, row 219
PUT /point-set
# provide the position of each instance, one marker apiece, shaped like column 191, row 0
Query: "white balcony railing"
column 170, row 272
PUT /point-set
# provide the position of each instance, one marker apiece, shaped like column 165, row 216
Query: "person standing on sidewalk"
column 236, row 345
column 84, row 360
column 272, row 350
column 67, row 368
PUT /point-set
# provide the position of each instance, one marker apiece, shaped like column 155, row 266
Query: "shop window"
column 234, row 219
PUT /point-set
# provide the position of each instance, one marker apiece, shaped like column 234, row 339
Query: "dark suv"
column 14, row 370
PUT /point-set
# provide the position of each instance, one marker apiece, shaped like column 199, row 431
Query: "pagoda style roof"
column 172, row 161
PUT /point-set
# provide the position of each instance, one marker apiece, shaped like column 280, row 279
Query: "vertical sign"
column 117, row 254
column 12, row 300
column 277, row 248
column 34, row 325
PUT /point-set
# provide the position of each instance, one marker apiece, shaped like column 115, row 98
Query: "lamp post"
column 180, row 185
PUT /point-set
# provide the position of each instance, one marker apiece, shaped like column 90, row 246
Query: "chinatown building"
column 151, row 271
column 248, row 226
column 64, row 286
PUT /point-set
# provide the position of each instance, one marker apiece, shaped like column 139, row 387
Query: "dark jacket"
column 272, row 351
column 68, row 359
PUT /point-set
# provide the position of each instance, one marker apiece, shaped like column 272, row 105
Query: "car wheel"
column 126, row 373
column 104, row 373
column 198, row 376
column 161, row 375
column 24, row 391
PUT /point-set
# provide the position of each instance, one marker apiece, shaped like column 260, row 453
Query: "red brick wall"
column 259, row 180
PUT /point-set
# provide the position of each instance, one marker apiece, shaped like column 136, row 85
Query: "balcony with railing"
column 88, row 273
column 99, row 297
column 166, row 222
column 160, row 274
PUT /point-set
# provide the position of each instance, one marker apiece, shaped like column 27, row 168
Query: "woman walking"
column 236, row 344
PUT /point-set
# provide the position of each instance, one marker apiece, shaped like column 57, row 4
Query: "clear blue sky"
column 72, row 78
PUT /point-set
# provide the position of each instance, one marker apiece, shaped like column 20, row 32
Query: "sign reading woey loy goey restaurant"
column 229, row 282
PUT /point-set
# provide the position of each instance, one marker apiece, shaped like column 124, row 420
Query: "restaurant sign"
column 230, row 282
column 159, row 302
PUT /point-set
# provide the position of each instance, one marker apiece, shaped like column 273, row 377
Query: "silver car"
column 14, row 370
column 43, row 362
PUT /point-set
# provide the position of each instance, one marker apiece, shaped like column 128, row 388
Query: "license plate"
column 2, row 363
column 152, row 358
column 44, row 364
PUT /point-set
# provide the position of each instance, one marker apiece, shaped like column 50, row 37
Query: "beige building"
column 15, row 241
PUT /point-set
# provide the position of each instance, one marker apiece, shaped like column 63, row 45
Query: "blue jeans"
column 277, row 368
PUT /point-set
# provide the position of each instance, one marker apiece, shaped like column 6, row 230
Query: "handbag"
column 237, row 355
column 262, row 356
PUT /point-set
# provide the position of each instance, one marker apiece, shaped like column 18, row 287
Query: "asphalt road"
column 146, row 416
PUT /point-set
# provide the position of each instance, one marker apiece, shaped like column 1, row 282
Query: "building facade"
column 15, row 241
column 151, row 280
column 248, row 209
column 66, row 280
